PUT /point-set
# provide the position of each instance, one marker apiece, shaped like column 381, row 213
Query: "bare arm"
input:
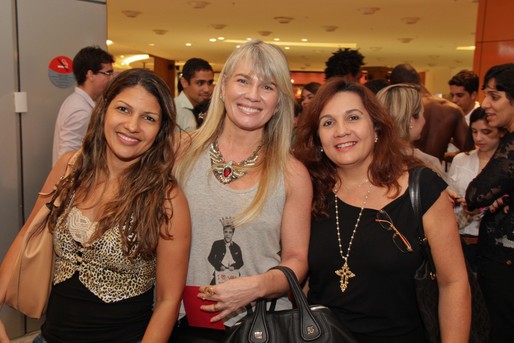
column 454, row 292
column 172, row 263
column 295, row 234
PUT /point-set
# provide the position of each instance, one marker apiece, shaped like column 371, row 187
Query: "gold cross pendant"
column 345, row 273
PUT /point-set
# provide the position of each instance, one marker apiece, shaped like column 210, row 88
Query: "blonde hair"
column 270, row 65
column 403, row 102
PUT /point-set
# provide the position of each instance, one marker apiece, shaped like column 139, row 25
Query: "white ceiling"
column 443, row 25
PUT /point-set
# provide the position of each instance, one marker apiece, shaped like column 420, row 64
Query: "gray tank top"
column 220, row 252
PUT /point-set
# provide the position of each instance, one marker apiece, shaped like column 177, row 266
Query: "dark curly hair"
column 344, row 62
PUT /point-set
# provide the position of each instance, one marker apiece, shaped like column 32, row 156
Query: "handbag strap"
column 309, row 328
column 415, row 199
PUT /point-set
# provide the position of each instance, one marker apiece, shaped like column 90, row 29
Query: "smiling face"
column 249, row 101
column 346, row 131
column 499, row 109
column 132, row 121
column 486, row 138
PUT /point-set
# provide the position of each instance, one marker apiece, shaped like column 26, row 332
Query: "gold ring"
column 208, row 290
column 215, row 307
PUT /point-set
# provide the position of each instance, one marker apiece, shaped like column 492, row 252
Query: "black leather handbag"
column 427, row 290
column 306, row 323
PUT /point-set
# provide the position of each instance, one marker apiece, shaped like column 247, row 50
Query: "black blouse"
column 380, row 301
column 494, row 181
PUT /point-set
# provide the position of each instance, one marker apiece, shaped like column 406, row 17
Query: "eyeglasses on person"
column 387, row 224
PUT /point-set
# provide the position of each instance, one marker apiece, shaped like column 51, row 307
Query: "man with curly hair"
column 346, row 63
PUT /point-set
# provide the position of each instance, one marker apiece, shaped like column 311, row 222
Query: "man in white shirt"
column 195, row 85
column 93, row 71
column 464, row 91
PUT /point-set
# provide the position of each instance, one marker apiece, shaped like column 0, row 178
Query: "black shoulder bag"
column 427, row 291
column 306, row 323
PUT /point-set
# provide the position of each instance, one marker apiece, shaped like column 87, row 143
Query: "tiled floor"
column 25, row 339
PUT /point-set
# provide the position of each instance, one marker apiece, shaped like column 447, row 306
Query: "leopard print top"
column 102, row 266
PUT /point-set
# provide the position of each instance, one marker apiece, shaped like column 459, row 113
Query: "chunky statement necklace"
column 226, row 172
column 345, row 273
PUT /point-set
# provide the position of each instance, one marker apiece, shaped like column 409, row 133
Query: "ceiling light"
column 304, row 44
column 212, row 40
column 108, row 42
column 405, row 40
column 276, row 39
column 160, row 32
column 221, row 38
column 330, row 28
column 130, row 13
column 135, row 58
column 410, row 20
column 287, row 48
column 368, row 10
column 283, row 20
column 151, row 44
column 198, row 4
column 304, row 40
column 466, row 48
column 218, row 26
column 188, row 44
column 264, row 33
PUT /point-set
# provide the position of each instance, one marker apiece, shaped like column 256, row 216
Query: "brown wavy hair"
column 389, row 161
column 142, row 205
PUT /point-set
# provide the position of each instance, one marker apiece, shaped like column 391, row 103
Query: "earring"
column 376, row 138
column 321, row 149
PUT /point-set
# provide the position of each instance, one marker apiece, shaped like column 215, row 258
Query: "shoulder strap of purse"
column 415, row 199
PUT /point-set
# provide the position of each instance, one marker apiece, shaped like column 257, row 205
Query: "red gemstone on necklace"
column 227, row 171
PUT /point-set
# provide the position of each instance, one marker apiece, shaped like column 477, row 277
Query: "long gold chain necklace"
column 345, row 273
column 226, row 172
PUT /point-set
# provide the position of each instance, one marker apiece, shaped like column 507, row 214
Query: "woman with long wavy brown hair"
column 122, row 226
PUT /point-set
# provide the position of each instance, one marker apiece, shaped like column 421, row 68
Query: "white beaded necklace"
column 345, row 273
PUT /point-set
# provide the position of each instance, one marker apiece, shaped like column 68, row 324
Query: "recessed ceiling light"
column 218, row 26
column 151, row 44
column 283, row 20
column 108, row 42
column 248, row 39
column 130, row 13
column 160, row 32
column 188, row 44
column 330, row 28
column 287, row 48
column 212, row 40
column 276, row 39
column 221, row 38
column 405, row 40
column 410, row 20
column 264, row 33
column 304, row 40
column 198, row 4
column 368, row 10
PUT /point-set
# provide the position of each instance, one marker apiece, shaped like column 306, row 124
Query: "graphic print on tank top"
column 225, row 256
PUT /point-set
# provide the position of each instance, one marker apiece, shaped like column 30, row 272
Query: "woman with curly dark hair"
column 122, row 226
column 363, row 252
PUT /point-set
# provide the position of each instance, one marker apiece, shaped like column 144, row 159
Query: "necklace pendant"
column 227, row 171
column 345, row 273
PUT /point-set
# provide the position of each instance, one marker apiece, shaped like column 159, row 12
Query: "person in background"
column 464, row 91
column 195, row 85
column 345, row 63
column 123, row 226
column 403, row 102
column 308, row 93
column 92, row 67
column 376, row 85
column 238, row 167
column 444, row 120
column 494, row 185
column 464, row 168
column 363, row 249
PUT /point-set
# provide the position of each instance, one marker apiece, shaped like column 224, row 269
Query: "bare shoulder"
column 297, row 175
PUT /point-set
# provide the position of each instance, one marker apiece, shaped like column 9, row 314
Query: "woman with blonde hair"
column 403, row 102
column 266, row 196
